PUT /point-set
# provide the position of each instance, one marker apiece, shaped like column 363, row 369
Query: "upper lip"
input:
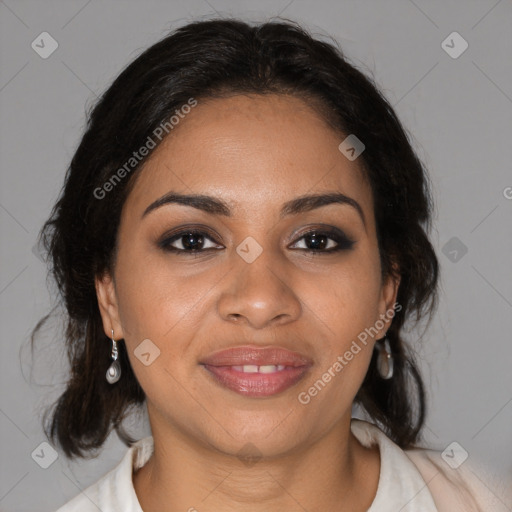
column 260, row 356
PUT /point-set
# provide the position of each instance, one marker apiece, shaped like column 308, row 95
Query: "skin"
column 255, row 153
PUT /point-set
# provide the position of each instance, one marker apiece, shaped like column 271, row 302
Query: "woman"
column 241, row 236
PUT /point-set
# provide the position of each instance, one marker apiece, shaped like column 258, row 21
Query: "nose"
column 259, row 294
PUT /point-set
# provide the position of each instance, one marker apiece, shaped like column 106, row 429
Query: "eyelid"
column 189, row 228
column 321, row 228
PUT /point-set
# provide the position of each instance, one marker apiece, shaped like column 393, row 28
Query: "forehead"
column 250, row 150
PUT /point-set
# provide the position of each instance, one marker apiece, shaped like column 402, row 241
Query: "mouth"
column 257, row 372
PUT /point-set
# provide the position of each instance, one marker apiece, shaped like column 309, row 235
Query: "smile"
column 257, row 372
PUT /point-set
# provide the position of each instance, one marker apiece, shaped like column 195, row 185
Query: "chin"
column 258, row 434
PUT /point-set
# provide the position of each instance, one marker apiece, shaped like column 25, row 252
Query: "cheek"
column 158, row 312
column 162, row 302
column 345, row 307
column 348, row 298
column 153, row 294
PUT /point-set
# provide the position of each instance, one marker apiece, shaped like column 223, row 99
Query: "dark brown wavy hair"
column 216, row 58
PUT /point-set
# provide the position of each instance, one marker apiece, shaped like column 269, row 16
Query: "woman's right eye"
column 188, row 241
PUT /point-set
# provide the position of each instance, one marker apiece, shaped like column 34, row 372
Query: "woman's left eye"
column 325, row 241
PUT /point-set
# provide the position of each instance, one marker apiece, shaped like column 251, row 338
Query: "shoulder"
column 466, row 486
column 114, row 491
column 444, row 483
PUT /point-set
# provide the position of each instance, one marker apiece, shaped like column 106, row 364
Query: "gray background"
column 458, row 112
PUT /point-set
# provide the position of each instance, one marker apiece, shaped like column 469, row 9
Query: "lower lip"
column 257, row 384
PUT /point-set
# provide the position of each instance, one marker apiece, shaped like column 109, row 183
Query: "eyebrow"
column 215, row 206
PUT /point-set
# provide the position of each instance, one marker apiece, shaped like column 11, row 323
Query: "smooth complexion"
column 255, row 153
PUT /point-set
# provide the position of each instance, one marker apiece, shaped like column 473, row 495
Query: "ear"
column 389, row 292
column 109, row 310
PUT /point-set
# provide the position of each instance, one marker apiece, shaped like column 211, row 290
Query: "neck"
column 334, row 473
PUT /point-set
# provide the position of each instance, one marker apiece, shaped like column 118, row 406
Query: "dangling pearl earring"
column 384, row 359
column 114, row 370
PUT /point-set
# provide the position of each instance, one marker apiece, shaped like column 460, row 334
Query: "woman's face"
column 246, row 279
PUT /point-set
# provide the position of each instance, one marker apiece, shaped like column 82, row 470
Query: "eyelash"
column 344, row 243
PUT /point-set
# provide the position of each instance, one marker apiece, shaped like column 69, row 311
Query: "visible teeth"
column 269, row 368
column 252, row 368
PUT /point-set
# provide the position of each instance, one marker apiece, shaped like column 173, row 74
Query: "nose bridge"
column 258, row 289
